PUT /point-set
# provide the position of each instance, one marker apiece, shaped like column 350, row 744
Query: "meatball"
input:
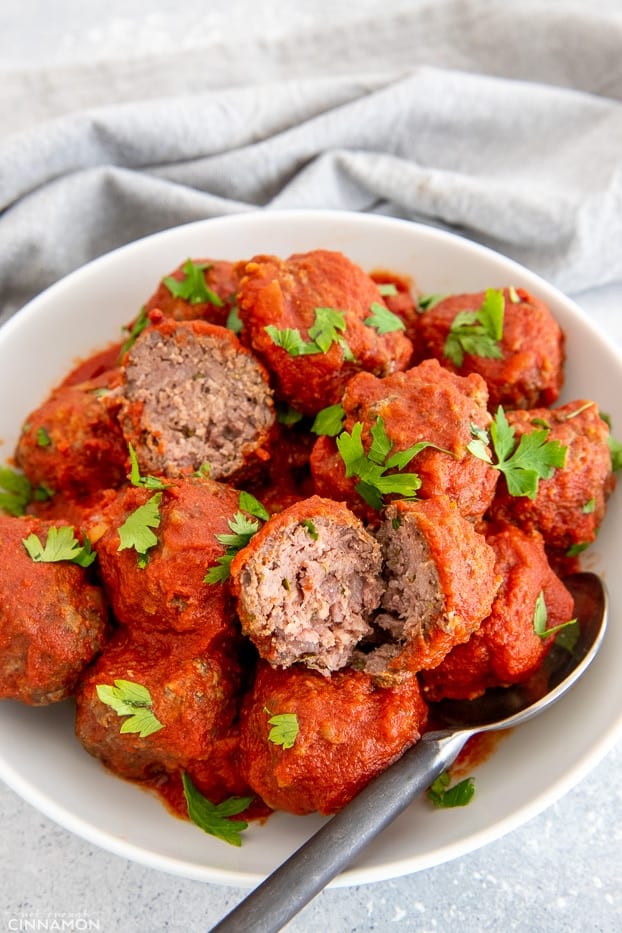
column 191, row 394
column 348, row 730
column 570, row 505
column 325, row 290
column 53, row 620
column 190, row 702
column 439, row 584
column 163, row 588
column 307, row 584
column 426, row 404
column 506, row 648
column 72, row 445
column 529, row 370
column 199, row 288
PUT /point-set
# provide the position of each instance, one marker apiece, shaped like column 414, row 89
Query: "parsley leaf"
column 387, row 288
column 253, row 506
column 442, row 796
column 243, row 530
column 285, row 728
column 193, row 287
column 477, row 333
column 61, row 544
column 213, row 818
column 540, row 618
column 17, row 492
column 523, row 464
column 135, row 478
column 134, row 331
column 371, row 467
column 135, row 532
column 127, row 698
column 327, row 329
column 43, row 438
column 425, row 302
column 233, row 321
column 382, row 320
column 329, row 421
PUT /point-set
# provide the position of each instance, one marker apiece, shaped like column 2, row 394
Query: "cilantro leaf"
column 382, row 320
column 243, row 529
column 285, row 728
column 477, row 333
column 193, row 287
column 134, row 331
column 442, row 796
column 523, row 464
column 135, row 532
column 540, row 618
column 130, row 699
column 61, row 544
column 135, row 478
column 213, row 818
column 329, row 421
column 327, row 329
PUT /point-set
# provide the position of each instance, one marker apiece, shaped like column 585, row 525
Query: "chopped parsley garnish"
column 477, row 333
column 329, row 421
column 134, row 331
column 310, row 528
column 287, row 415
column 242, row 530
column 589, row 506
column 442, row 796
column 382, row 320
column 253, row 506
column 615, row 451
column 575, row 549
column 387, row 288
column 135, row 532
column 524, row 463
column 61, row 544
column 425, row 302
column 193, row 287
column 43, row 438
column 371, row 468
column 233, row 321
column 285, row 728
column 215, row 818
column 540, row 618
column 133, row 700
column 135, row 478
column 15, row 492
column 327, row 329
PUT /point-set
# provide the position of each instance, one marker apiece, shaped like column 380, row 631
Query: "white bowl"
column 531, row 768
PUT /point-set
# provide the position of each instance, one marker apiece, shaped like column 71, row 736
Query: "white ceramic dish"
column 39, row 756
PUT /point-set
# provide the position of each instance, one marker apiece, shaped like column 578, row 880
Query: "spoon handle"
column 303, row 875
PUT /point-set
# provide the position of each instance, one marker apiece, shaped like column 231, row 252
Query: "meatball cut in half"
column 507, row 647
column 53, row 620
column 315, row 319
column 307, row 584
column 311, row 743
column 191, row 395
column 440, row 583
column 570, row 505
column 526, row 369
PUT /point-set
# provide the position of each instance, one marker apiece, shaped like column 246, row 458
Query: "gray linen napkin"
column 498, row 123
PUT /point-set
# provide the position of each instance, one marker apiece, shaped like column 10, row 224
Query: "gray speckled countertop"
column 562, row 871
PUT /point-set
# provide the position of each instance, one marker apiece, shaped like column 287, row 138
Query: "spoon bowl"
column 305, row 873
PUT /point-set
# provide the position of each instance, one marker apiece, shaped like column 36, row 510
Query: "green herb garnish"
column 425, row 302
column 524, row 463
column 17, row 492
column 135, row 532
column 327, row 329
column 477, row 333
column 382, row 320
column 329, row 421
column 540, row 618
column 233, row 321
column 61, row 544
column 43, row 438
column 214, row 818
column 387, row 288
column 133, row 700
column 135, row 478
column 193, row 287
column 442, row 796
column 242, row 530
column 253, row 506
column 285, row 728
column 134, row 331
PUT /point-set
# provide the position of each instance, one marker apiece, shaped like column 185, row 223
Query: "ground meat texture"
column 307, row 584
column 192, row 395
column 168, row 593
column 193, row 695
column 220, row 277
column 530, row 371
column 349, row 730
column 505, row 649
column 439, row 584
column 426, row 403
column 72, row 445
column 570, row 505
column 53, row 620
column 286, row 294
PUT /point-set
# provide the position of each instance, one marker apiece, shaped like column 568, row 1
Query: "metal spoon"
column 303, row 875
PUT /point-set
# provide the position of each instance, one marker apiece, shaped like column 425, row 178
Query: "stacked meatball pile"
column 273, row 574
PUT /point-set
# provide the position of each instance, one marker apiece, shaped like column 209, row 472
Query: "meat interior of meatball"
column 312, row 591
column 202, row 401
